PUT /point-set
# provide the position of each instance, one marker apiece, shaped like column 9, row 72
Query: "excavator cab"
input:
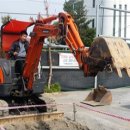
column 10, row 32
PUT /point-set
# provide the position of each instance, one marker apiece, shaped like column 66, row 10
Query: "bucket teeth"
column 119, row 72
column 128, row 72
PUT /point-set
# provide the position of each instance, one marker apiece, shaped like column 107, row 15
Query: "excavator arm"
column 72, row 39
column 102, row 55
column 105, row 53
column 89, row 64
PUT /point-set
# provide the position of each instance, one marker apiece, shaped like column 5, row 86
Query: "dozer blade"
column 114, row 52
column 99, row 96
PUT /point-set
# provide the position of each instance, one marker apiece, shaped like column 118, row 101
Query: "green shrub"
column 53, row 88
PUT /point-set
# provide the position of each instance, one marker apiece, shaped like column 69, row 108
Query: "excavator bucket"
column 99, row 96
column 115, row 53
column 113, row 50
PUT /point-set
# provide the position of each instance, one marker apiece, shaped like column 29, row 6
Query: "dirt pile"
column 50, row 125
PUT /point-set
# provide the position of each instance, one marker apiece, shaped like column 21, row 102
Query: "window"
column 93, row 23
column 93, row 3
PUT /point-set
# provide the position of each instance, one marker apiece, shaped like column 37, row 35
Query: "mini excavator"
column 104, row 54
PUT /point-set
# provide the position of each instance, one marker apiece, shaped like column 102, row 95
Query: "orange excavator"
column 104, row 54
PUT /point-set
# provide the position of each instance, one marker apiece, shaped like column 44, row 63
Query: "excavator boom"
column 40, row 32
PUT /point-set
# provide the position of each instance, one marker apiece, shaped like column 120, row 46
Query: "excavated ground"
column 49, row 125
column 89, row 120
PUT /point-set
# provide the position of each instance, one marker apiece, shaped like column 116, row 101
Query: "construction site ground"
column 45, row 125
column 111, row 117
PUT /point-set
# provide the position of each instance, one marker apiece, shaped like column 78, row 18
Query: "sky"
column 29, row 7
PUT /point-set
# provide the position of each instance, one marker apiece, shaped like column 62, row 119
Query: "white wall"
column 108, row 19
column 91, row 12
column 106, row 22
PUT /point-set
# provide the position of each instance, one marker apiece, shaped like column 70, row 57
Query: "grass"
column 53, row 88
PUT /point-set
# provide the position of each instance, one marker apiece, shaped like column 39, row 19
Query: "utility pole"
column 97, row 32
column 46, row 7
column 49, row 49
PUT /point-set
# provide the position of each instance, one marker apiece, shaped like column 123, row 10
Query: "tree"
column 5, row 19
column 79, row 13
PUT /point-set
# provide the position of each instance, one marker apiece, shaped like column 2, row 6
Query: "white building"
column 111, row 23
column 91, row 11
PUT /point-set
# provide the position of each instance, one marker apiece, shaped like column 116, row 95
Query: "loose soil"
column 49, row 125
